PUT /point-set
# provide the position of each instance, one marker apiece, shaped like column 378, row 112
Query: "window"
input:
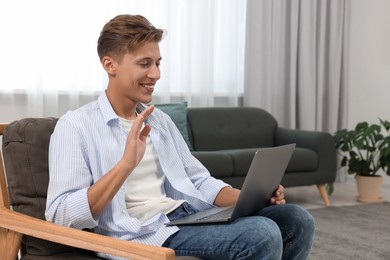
column 49, row 48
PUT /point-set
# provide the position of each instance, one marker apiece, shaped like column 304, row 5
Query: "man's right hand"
column 102, row 192
column 136, row 140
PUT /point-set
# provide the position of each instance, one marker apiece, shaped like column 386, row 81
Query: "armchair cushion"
column 21, row 141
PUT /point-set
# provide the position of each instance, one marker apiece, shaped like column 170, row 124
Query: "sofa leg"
column 324, row 194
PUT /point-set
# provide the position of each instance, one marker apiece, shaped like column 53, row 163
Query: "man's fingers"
column 278, row 196
column 145, row 132
column 137, row 124
column 280, row 188
column 147, row 111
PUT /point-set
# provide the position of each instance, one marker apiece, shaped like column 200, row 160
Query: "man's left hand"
column 278, row 197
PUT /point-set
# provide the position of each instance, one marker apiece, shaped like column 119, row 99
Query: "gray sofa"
column 225, row 139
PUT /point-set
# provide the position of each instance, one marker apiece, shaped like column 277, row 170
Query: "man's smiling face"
column 138, row 72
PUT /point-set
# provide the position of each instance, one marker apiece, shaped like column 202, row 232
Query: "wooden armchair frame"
column 14, row 225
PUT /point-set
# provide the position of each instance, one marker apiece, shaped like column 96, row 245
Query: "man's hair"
column 124, row 33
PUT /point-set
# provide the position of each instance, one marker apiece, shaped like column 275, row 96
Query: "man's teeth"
column 149, row 86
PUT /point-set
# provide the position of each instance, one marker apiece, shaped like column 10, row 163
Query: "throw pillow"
column 178, row 114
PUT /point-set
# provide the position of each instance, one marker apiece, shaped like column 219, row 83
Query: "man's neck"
column 123, row 108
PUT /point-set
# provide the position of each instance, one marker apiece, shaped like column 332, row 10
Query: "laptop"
column 263, row 178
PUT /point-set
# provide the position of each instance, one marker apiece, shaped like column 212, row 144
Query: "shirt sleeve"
column 206, row 184
column 67, row 201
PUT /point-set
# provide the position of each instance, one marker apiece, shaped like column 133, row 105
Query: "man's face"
column 138, row 72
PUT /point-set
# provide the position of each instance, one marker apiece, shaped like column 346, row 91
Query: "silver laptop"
column 264, row 176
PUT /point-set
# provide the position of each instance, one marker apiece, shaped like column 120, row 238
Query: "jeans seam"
column 207, row 252
column 290, row 236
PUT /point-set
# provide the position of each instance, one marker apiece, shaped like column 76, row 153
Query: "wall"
column 369, row 73
column 369, row 62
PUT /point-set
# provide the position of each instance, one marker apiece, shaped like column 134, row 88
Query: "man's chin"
column 146, row 100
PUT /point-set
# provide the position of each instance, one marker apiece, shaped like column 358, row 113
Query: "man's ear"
column 109, row 65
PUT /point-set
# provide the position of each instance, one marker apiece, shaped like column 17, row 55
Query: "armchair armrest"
column 20, row 223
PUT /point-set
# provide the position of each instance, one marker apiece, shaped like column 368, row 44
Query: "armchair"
column 23, row 187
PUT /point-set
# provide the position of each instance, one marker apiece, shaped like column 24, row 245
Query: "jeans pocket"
column 188, row 208
column 184, row 210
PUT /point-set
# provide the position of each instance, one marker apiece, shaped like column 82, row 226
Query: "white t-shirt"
column 145, row 193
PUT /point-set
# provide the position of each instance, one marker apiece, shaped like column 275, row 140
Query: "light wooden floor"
column 344, row 194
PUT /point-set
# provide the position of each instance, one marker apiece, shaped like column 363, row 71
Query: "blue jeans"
column 276, row 232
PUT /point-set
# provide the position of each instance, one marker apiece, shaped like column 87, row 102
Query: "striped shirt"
column 145, row 192
column 89, row 142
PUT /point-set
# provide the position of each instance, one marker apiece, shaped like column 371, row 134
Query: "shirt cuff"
column 79, row 210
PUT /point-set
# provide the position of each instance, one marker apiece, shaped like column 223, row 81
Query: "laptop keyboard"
column 224, row 214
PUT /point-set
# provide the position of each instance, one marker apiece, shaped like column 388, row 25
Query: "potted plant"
column 366, row 150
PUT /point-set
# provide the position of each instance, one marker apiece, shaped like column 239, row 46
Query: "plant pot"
column 369, row 188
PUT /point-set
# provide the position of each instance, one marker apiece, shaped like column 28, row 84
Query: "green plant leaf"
column 359, row 166
column 329, row 188
column 385, row 124
column 366, row 148
column 344, row 161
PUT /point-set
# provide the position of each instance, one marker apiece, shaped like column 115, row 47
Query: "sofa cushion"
column 178, row 113
column 302, row 160
column 236, row 162
column 230, row 128
column 220, row 165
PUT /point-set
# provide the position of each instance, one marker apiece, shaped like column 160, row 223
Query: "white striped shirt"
column 145, row 191
column 89, row 142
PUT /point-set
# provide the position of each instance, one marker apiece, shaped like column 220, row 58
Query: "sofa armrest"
column 320, row 142
column 23, row 224
column 313, row 140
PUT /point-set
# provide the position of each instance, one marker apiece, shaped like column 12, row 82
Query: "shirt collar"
column 107, row 110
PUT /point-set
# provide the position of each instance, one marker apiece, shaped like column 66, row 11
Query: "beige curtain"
column 50, row 64
column 296, row 61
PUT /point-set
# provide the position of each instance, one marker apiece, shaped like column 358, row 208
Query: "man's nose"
column 154, row 72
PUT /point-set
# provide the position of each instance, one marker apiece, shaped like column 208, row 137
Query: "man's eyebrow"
column 148, row 58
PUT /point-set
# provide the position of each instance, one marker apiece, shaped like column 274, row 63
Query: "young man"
column 123, row 169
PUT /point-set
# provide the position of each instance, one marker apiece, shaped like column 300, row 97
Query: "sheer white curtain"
column 296, row 61
column 49, row 61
